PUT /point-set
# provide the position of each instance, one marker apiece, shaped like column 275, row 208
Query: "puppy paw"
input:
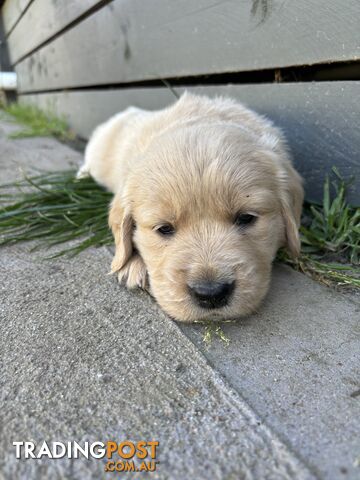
column 134, row 273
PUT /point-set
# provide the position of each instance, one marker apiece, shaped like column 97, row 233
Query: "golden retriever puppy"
column 204, row 196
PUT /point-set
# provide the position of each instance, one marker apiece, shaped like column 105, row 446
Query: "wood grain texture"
column 132, row 40
column 44, row 19
column 11, row 12
column 320, row 121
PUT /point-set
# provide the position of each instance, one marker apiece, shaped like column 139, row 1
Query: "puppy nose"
column 211, row 294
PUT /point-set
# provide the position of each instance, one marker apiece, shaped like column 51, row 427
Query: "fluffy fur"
column 196, row 165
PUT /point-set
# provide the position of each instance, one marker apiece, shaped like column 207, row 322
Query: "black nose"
column 211, row 294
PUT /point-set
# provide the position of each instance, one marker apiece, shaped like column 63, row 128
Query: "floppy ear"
column 292, row 200
column 122, row 225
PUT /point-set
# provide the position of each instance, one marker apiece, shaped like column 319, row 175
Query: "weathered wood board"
column 321, row 121
column 11, row 12
column 44, row 19
column 135, row 40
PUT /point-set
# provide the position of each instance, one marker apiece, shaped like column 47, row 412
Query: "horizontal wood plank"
column 133, row 40
column 44, row 19
column 321, row 121
column 11, row 12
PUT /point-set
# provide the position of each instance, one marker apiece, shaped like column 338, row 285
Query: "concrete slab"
column 297, row 363
column 27, row 153
column 83, row 359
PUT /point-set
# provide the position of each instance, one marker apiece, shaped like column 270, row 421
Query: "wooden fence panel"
column 135, row 40
column 321, row 121
column 42, row 20
column 11, row 12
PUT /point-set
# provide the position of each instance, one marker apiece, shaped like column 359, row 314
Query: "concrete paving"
column 297, row 363
column 83, row 359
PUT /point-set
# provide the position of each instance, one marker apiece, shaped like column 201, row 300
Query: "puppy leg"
column 107, row 148
column 127, row 262
column 133, row 274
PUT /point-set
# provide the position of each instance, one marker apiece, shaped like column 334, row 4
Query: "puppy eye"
column 244, row 219
column 166, row 230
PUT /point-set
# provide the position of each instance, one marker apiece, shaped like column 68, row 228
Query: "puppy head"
column 206, row 210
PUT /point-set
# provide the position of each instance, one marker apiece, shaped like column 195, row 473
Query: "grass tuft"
column 330, row 238
column 334, row 227
column 38, row 123
column 56, row 209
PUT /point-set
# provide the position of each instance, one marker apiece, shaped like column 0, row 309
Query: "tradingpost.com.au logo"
column 125, row 456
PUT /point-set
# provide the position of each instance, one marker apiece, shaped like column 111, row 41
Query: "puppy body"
column 205, row 194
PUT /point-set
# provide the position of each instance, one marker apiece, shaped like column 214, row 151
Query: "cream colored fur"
column 196, row 165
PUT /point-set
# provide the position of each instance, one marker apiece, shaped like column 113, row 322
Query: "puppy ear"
column 122, row 225
column 292, row 200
